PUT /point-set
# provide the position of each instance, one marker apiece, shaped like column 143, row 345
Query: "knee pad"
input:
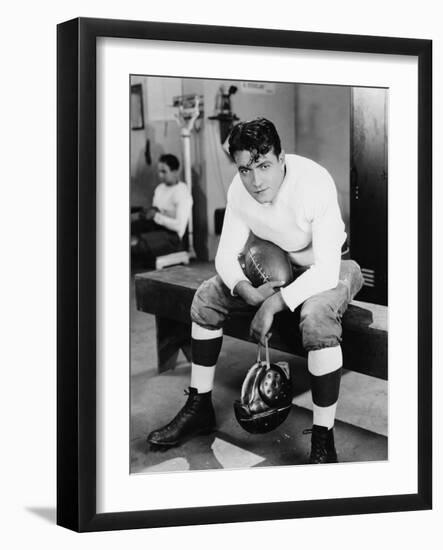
column 320, row 327
column 205, row 310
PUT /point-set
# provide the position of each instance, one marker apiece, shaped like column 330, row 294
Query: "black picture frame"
column 76, row 264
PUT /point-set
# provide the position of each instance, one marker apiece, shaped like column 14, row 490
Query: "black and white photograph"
column 244, row 275
column 221, row 275
column 259, row 274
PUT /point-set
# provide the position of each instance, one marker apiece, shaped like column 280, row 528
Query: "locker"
column 369, row 190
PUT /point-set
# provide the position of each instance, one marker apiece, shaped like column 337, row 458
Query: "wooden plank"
column 171, row 337
column 188, row 276
column 379, row 314
column 169, row 294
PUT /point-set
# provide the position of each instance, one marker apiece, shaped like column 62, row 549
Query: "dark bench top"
column 168, row 294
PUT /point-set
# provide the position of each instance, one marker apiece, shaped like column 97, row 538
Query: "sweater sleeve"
column 232, row 240
column 328, row 235
column 183, row 205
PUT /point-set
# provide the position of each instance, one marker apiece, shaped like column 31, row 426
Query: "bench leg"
column 172, row 336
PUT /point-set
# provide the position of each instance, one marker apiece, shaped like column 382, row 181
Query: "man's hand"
column 262, row 322
column 256, row 296
column 148, row 213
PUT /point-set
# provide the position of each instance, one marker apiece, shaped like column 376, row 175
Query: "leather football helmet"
column 266, row 396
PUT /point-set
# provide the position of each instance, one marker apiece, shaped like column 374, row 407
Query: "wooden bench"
column 168, row 294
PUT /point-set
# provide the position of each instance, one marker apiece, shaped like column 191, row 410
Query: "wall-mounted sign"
column 264, row 88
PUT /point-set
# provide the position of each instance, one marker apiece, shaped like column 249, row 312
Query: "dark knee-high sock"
column 325, row 371
column 205, row 349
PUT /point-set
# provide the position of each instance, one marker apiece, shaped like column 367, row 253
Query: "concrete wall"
column 277, row 106
column 312, row 120
column 323, row 133
column 212, row 170
column 163, row 133
column 161, row 130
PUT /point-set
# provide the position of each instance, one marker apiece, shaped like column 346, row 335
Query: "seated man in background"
column 159, row 230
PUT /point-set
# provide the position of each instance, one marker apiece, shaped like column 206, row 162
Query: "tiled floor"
column 360, row 430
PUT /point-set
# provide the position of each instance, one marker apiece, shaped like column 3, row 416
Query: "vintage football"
column 263, row 261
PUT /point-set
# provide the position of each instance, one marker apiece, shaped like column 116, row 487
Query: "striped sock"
column 205, row 349
column 324, row 366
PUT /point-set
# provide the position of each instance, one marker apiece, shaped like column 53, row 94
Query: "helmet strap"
column 268, row 363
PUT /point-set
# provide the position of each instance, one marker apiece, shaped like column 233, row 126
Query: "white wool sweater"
column 304, row 219
column 174, row 203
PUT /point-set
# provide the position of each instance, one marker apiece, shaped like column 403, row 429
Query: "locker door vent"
column 368, row 277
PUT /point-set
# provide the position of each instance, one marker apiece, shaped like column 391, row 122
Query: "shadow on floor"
column 48, row 514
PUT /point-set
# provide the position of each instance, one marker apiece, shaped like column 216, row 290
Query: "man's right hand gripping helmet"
column 266, row 396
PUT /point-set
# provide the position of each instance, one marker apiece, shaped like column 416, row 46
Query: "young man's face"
column 263, row 176
column 165, row 174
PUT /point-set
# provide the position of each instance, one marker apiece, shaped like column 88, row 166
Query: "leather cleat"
column 197, row 417
column 322, row 445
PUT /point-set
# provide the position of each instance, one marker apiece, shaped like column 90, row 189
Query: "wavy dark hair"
column 257, row 136
column 171, row 160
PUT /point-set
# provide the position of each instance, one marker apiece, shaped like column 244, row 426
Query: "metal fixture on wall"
column 225, row 116
column 189, row 109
